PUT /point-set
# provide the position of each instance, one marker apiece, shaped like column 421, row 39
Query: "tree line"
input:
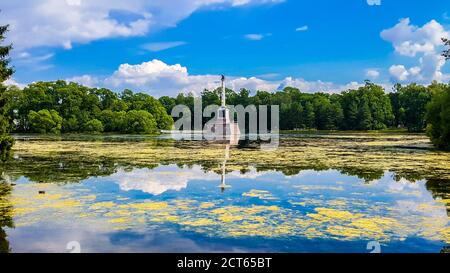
column 61, row 107
column 414, row 107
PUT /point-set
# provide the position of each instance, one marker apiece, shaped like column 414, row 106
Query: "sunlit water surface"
column 183, row 209
column 176, row 208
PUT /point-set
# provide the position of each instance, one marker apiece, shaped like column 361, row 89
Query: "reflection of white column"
column 223, row 185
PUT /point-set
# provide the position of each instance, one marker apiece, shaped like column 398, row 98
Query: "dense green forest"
column 60, row 107
column 366, row 108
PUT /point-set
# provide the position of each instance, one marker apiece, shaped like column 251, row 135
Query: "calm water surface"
column 180, row 208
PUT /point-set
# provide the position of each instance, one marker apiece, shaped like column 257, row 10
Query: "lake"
column 314, row 193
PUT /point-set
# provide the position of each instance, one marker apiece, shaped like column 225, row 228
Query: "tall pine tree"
column 6, row 141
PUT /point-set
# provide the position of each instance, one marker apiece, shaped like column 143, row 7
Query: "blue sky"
column 173, row 46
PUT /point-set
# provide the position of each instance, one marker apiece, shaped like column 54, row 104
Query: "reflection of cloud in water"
column 403, row 185
column 92, row 239
column 165, row 178
column 387, row 211
column 156, row 181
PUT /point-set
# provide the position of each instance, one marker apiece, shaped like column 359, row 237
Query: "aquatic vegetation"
column 364, row 155
column 386, row 198
column 263, row 195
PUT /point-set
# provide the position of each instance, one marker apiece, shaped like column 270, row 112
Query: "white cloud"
column 421, row 43
column 160, row 46
column 409, row 40
column 254, row 36
column 303, row 28
column 12, row 82
column 317, row 86
column 372, row 73
column 62, row 23
column 252, row 84
column 85, row 80
column 399, row 72
column 159, row 79
column 26, row 60
column 374, row 2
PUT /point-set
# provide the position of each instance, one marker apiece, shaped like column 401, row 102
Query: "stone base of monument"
column 223, row 130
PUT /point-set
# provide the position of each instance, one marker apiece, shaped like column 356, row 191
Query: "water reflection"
column 223, row 185
column 311, row 211
column 6, row 220
column 114, row 204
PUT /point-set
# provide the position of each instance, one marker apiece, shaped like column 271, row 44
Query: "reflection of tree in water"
column 5, row 215
column 73, row 167
column 61, row 168
column 439, row 188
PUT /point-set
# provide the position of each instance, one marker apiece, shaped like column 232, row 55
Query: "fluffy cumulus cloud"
column 85, row 80
column 372, row 74
column 422, row 44
column 159, row 79
column 12, row 82
column 317, row 86
column 62, row 23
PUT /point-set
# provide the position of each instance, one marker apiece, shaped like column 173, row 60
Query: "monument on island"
column 224, row 129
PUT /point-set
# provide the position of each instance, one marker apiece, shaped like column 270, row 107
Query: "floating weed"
column 261, row 194
column 352, row 217
column 148, row 205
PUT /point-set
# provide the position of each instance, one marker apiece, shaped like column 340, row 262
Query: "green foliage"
column 5, row 105
column 410, row 105
column 140, row 122
column 45, row 121
column 367, row 108
column 168, row 103
column 5, row 70
column 113, row 121
column 438, row 117
column 71, row 124
column 93, row 126
column 6, row 143
column 140, row 101
column 446, row 53
column 82, row 108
